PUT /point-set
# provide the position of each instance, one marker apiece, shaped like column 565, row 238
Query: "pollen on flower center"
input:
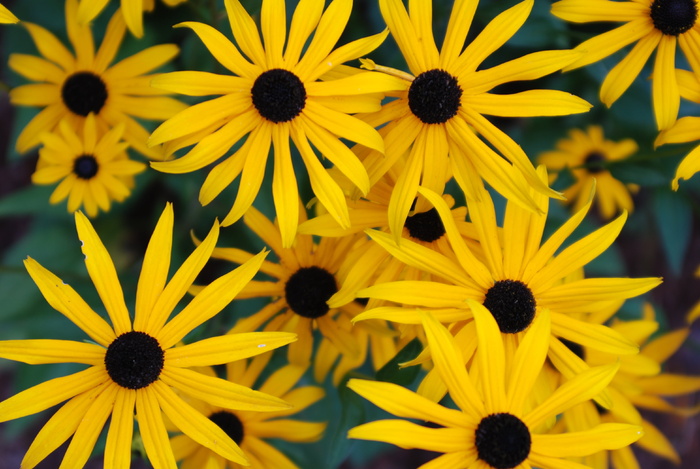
column 83, row 93
column 674, row 17
column 595, row 162
column 512, row 304
column 230, row 424
column 278, row 95
column 434, row 96
column 308, row 290
column 502, row 441
column 134, row 360
column 425, row 226
column 85, row 166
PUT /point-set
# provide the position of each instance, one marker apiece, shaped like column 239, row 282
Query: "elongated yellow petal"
column 178, row 285
column 219, row 392
column 103, row 274
column 226, row 348
column 195, row 425
column 582, row 387
column 421, row 293
column 153, row 431
column 52, row 392
column 287, row 429
column 37, row 352
column 121, row 429
column 529, row 103
column 572, row 297
column 6, row 16
column 410, row 435
column 688, row 167
column 661, row 348
column 605, row 436
column 404, row 191
column 67, row 302
column 193, row 83
column 154, row 271
column 405, row 35
column 50, row 47
column 304, row 21
column 656, row 442
column 457, row 30
column 284, row 184
column 490, row 356
column 210, row 301
column 528, row 361
column 596, row 336
column 351, row 51
column 605, row 44
column 665, row 92
column 246, row 32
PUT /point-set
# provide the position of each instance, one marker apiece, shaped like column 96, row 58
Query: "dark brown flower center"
column 595, row 162
column 425, row 226
column 230, row 424
column 434, row 96
column 83, row 93
column 308, row 290
column 278, row 95
column 502, row 441
column 85, row 166
column 134, row 360
column 512, row 304
column 674, row 17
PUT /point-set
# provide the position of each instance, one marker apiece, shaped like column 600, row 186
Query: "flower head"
column 93, row 169
column 654, row 25
column 587, row 154
column 496, row 426
column 276, row 94
column 71, row 86
column 131, row 9
column 134, row 365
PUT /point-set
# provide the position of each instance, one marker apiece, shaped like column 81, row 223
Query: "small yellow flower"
column 587, row 154
column 93, row 170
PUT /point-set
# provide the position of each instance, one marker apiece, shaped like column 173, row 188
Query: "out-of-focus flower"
column 131, row 9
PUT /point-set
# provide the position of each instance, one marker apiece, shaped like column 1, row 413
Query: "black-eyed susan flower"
column 135, row 366
column 495, row 425
column 640, row 384
column 304, row 280
column 72, row 85
column 93, row 169
column 439, row 118
column 587, row 154
column 654, row 25
column 131, row 9
column 275, row 94
column 250, row 430
column 6, row 15
column 685, row 129
column 517, row 277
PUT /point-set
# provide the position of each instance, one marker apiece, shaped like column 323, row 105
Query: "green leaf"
column 392, row 373
column 674, row 220
column 30, row 200
column 352, row 414
column 638, row 174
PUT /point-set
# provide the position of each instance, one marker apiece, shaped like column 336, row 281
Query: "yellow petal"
column 409, row 435
column 605, row 436
column 121, row 429
column 153, row 431
column 43, row 351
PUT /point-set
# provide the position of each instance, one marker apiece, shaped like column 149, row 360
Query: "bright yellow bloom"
column 640, row 384
column 131, row 9
column 274, row 95
column 71, row 86
column 495, row 426
column 93, row 169
column 587, row 154
column 134, row 366
column 250, row 429
column 685, row 129
column 516, row 277
column 439, row 117
column 6, row 16
column 655, row 25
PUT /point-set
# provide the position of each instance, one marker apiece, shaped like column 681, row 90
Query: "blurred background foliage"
column 661, row 237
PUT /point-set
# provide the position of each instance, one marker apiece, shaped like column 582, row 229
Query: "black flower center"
column 308, row 290
column 230, row 424
column 83, row 93
column 512, row 305
column 85, row 166
column 434, row 96
column 502, row 441
column 595, row 162
column 134, row 360
column 278, row 95
column 577, row 349
column 425, row 226
column 674, row 17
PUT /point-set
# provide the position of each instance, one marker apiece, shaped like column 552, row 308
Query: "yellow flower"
column 72, row 86
column 250, row 429
column 135, row 366
column 132, row 11
column 439, row 118
column 275, row 96
column 93, row 170
column 518, row 277
column 640, row 384
column 587, row 154
column 685, row 129
column 495, row 427
column 6, row 15
column 655, row 25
